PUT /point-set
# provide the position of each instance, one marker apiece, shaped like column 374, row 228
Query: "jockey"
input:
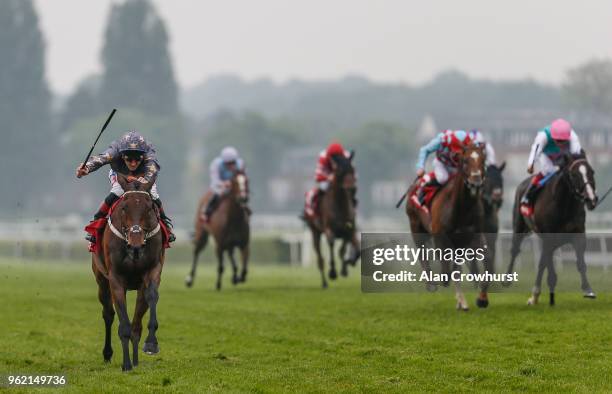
column 479, row 139
column 549, row 148
column 323, row 175
column 447, row 146
column 222, row 170
column 130, row 155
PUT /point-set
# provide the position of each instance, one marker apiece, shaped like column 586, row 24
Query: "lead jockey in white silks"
column 550, row 146
column 448, row 147
column 129, row 155
column 222, row 169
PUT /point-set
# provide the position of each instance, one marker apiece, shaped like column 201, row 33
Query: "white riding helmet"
column 229, row 154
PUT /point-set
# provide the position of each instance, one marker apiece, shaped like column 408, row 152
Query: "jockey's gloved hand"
column 420, row 172
column 82, row 170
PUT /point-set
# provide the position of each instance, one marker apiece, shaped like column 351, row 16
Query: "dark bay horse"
column 336, row 219
column 131, row 258
column 456, row 221
column 493, row 198
column 229, row 225
column 559, row 219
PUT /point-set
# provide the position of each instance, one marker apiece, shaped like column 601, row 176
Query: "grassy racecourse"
column 281, row 332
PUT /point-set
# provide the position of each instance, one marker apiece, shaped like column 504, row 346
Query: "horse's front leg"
column 108, row 314
column 316, row 241
column 244, row 255
column 342, row 253
column 332, row 258
column 462, row 304
column 235, row 278
column 151, row 294
column 141, row 309
column 579, row 243
column 488, row 245
column 545, row 258
column 219, row 266
column 125, row 330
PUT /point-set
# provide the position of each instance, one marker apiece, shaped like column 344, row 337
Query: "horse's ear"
column 502, row 166
column 351, row 155
column 122, row 179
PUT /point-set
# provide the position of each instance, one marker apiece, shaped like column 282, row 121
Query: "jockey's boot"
column 166, row 220
column 418, row 198
column 526, row 207
column 103, row 212
column 210, row 207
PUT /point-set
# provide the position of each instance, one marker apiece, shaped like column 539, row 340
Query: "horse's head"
column 136, row 213
column 344, row 172
column 240, row 188
column 581, row 179
column 473, row 167
column 493, row 189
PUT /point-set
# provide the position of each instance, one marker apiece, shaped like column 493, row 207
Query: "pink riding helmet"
column 560, row 129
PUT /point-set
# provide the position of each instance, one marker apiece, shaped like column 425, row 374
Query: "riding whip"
column 100, row 134
column 401, row 200
column 603, row 197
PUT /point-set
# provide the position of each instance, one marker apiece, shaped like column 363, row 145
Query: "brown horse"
column 229, row 224
column 131, row 258
column 559, row 218
column 337, row 218
column 457, row 220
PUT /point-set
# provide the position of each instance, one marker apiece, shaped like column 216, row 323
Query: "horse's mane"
column 343, row 163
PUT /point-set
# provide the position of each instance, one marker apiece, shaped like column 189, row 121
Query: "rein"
column 136, row 228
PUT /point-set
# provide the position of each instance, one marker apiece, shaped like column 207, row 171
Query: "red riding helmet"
column 335, row 148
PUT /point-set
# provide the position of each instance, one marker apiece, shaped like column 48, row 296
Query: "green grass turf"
column 280, row 332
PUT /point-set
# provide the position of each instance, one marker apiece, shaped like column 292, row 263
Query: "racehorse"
column 229, row 225
column 559, row 219
column 131, row 258
column 336, row 218
column 493, row 198
column 456, row 220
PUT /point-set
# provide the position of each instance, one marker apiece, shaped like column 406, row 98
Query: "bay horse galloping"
column 336, row 218
column 559, row 219
column 456, row 220
column 131, row 258
column 229, row 225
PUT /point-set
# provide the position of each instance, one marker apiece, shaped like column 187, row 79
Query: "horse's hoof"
column 150, row 348
column 333, row 275
column 235, row 280
column 188, row 281
column 344, row 273
column 462, row 308
column 126, row 367
column 324, row 286
column 431, row 287
column 506, row 283
column 107, row 354
column 482, row 303
column 551, row 300
column 590, row 294
column 218, row 287
column 532, row 301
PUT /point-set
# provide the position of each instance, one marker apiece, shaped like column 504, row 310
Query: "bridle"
column 135, row 228
column 579, row 193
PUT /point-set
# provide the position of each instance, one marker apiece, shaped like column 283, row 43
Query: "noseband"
column 135, row 228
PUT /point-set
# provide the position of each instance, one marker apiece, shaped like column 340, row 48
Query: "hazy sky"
column 407, row 41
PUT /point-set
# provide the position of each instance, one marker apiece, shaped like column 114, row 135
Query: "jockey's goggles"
column 132, row 158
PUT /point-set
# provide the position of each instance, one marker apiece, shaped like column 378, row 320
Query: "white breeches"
column 546, row 165
column 441, row 171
